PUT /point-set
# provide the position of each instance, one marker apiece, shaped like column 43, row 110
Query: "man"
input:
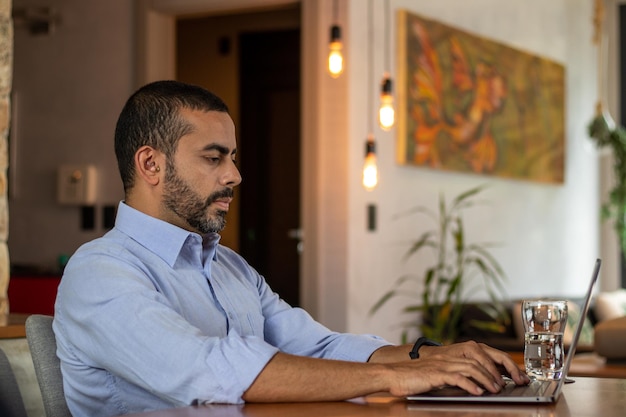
column 157, row 314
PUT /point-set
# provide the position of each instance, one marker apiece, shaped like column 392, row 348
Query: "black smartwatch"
column 414, row 353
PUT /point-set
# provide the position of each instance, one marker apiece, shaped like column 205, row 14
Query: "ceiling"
column 191, row 7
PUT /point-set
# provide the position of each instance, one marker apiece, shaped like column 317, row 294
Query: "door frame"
column 324, row 262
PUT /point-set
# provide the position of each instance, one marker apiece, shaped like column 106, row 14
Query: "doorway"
column 252, row 61
column 270, row 157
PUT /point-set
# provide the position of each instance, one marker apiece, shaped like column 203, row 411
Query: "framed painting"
column 470, row 104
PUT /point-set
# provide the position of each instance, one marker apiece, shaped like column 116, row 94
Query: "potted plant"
column 606, row 133
column 441, row 288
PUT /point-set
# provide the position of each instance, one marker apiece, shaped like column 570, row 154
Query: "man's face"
column 201, row 175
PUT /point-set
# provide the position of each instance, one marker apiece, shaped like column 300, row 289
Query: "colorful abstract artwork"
column 469, row 104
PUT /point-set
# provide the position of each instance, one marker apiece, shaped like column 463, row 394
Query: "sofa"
column 610, row 329
column 604, row 330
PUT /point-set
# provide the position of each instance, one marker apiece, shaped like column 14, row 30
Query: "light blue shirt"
column 151, row 316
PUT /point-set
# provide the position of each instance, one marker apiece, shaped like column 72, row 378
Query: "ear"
column 148, row 163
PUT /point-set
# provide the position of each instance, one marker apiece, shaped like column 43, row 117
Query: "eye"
column 213, row 159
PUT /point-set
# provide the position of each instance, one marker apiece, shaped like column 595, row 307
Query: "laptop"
column 535, row 392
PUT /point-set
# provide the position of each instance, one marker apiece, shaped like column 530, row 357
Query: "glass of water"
column 544, row 324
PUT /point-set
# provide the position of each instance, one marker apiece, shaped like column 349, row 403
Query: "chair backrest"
column 43, row 347
column 11, row 403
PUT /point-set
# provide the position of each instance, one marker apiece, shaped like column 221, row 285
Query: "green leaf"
column 467, row 194
column 424, row 240
column 382, row 300
column 490, row 326
column 615, row 208
column 458, row 266
column 413, row 309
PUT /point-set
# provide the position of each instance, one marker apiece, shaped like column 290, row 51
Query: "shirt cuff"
column 236, row 372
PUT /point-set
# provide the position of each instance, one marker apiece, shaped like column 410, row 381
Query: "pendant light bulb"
column 386, row 112
column 370, row 170
column 335, row 57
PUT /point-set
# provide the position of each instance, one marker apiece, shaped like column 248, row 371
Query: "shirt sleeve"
column 294, row 331
column 109, row 317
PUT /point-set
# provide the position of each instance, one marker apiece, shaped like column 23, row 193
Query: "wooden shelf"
column 13, row 326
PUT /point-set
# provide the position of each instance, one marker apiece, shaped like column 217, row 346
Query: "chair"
column 42, row 344
column 11, row 403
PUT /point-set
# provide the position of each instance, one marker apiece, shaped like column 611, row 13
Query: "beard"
column 180, row 198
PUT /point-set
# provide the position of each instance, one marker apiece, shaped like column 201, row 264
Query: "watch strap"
column 414, row 353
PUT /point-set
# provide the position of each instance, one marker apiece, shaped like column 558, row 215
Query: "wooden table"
column 587, row 397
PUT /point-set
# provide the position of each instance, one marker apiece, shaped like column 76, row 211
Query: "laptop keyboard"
column 535, row 388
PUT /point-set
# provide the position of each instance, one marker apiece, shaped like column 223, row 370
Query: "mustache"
column 225, row 193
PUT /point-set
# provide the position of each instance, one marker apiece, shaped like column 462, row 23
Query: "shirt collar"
column 161, row 237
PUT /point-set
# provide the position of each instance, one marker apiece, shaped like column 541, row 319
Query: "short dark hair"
column 151, row 116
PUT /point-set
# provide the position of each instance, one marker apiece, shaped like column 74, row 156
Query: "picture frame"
column 474, row 105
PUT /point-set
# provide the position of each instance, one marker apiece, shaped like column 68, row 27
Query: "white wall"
column 70, row 87
column 72, row 84
column 549, row 233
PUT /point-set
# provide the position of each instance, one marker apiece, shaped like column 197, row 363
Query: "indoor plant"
column 442, row 287
column 606, row 133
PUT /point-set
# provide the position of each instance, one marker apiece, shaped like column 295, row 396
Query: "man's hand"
column 469, row 365
column 422, row 375
column 495, row 361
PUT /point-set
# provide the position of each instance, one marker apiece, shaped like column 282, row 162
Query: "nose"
column 232, row 176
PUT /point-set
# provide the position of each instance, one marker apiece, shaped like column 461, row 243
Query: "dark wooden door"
column 270, row 157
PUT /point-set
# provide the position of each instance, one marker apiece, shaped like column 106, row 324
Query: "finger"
column 506, row 366
column 503, row 371
column 486, row 380
column 473, row 371
column 488, row 358
column 469, row 385
column 449, row 374
column 477, row 356
column 515, row 373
